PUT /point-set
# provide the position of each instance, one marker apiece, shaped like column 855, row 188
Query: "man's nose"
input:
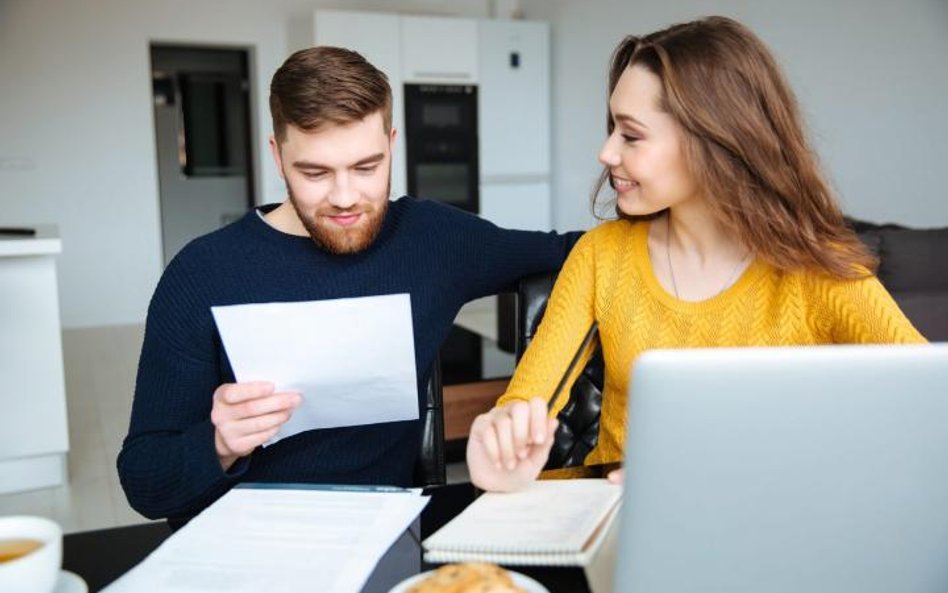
column 343, row 195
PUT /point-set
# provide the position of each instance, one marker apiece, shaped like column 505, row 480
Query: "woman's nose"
column 609, row 153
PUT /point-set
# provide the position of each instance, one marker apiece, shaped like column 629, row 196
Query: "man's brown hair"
column 327, row 85
column 744, row 143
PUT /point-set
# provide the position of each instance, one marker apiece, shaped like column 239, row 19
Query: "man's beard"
column 341, row 240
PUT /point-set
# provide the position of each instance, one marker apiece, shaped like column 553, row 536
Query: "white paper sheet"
column 285, row 540
column 352, row 359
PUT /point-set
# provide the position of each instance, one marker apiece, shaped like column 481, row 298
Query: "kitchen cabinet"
column 514, row 85
column 514, row 123
column 34, row 435
column 522, row 203
column 439, row 49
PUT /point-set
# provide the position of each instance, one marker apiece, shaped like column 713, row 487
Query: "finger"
column 503, row 425
column 246, row 444
column 539, row 419
column 616, row 476
column 488, row 439
column 520, row 426
column 295, row 396
column 248, row 426
column 540, row 453
column 278, row 402
column 237, row 443
column 235, row 393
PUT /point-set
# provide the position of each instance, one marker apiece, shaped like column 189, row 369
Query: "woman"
column 727, row 236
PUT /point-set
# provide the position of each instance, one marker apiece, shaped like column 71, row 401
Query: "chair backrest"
column 578, row 431
column 430, row 467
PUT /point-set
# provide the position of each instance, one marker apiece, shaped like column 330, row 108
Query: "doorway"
column 201, row 100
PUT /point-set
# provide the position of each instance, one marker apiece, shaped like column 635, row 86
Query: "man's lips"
column 345, row 220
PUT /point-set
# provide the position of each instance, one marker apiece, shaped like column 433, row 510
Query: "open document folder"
column 353, row 359
column 292, row 538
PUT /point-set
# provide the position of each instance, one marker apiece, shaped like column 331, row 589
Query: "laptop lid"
column 764, row 470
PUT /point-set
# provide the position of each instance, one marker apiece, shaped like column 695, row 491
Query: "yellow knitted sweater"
column 608, row 278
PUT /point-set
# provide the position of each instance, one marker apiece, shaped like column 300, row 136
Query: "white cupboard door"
column 514, row 94
column 376, row 36
column 439, row 49
column 524, row 206
column 33, row 421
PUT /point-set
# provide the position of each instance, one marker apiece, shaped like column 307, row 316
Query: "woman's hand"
column 509, row 445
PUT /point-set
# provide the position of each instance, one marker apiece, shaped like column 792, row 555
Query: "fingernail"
column 522, row 453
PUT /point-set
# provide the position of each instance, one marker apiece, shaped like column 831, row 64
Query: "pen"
column 572, row 365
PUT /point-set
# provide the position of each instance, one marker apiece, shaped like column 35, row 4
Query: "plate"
column 70, row 582
column 520, row 580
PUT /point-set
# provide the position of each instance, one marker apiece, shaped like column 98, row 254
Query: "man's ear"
column 277, row 157
column 391, row 138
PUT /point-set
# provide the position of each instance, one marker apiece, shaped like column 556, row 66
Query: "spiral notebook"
column 550, row 523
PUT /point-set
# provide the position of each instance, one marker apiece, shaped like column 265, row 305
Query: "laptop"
column 791, row 470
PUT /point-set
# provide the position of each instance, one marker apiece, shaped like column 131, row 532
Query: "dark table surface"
column 103, row 555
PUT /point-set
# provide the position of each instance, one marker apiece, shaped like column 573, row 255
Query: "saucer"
column 521, row 580
column 70, row 582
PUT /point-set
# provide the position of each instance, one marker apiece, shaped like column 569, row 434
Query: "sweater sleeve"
column 493, row 259
column 168, row 464
column 862, row 312
column 569, row 314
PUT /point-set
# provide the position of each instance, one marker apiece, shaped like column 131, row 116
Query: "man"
column 194, row 431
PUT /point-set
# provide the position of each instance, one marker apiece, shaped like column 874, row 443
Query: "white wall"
column 77, row 146
column 871, row 76
column 77, row 143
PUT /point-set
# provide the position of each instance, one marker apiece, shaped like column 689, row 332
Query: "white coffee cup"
column 37, row 571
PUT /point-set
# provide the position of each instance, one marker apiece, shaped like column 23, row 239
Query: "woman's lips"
column 623, row 185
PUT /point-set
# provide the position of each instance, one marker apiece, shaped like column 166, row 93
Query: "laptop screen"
column 764, row 470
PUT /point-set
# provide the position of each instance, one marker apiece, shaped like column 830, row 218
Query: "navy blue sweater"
column 439, row 255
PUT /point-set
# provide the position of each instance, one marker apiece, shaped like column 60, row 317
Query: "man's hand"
column 246, row 415
column 508, row 446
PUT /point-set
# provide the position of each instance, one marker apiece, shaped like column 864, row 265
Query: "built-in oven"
column 441, row 143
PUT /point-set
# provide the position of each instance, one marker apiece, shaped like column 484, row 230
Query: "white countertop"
column 45, row 241
column 480, row 317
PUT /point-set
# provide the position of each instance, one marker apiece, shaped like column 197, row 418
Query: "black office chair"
column 578, row 430
column 430, row 467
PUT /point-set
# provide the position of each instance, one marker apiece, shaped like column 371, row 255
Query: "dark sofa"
column 913, row 266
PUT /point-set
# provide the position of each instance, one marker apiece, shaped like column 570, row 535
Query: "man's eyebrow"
column 623, row 117
column 310, row 165
column 370, row 160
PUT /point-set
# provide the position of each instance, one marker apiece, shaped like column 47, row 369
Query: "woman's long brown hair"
column 745, row 145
